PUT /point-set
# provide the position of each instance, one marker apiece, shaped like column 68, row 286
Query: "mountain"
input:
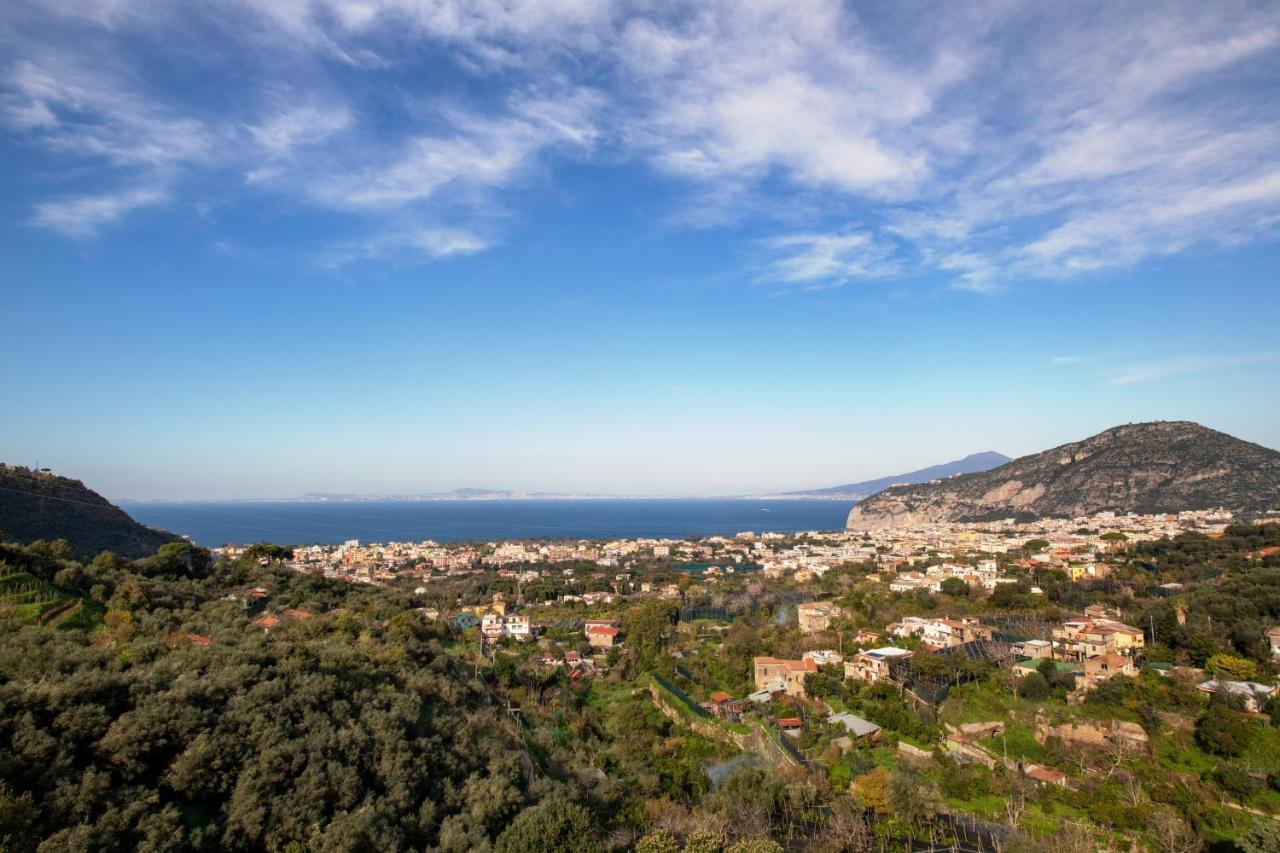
column 1165, row 466
column 972, row 463
column 39, row 505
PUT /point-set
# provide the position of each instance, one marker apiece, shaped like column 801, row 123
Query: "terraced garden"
column 29, row 599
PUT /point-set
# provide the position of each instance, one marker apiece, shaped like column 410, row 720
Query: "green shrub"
column 1033, row 686
column 1237, row 780
column 1222, row 731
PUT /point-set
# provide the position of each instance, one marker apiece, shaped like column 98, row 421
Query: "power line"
column 104, row 505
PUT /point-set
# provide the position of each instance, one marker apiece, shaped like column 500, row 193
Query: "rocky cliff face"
column 1166, row 466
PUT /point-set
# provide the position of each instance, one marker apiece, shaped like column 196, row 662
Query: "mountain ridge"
column 1154, row 467
column 42, row 505
column 973, row 463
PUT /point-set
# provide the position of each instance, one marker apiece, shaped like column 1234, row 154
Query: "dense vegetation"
column 39, row 505
column 145, row 704
column 354, row 730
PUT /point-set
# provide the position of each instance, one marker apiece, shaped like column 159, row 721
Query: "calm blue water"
column 287, row 523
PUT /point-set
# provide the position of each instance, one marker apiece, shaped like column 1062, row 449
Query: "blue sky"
column 259, row 249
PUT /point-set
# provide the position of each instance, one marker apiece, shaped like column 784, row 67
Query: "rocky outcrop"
column 995, row 728
column 1095, row 734
column 1166, row 466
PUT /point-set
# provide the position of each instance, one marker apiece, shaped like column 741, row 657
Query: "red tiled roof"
column 1046, row 774
column 603, row 630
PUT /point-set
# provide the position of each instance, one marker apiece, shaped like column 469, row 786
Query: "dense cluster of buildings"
column 908, row 558
column 1094, row 647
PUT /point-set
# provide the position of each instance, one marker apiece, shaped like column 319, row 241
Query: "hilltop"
column 40, row 505
column 970, row 464
column 1164, row 466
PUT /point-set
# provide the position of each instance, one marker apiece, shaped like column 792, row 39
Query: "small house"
column 855, row 726
column 602, row 636
column 791, row 726
column 1100, row 668
column 1045, row 775
column 724, row 706
column 1253, row 694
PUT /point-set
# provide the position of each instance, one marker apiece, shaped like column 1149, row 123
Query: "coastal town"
column 1017, row 648
column 979, row 684
column 906, row 558
column 960, row 559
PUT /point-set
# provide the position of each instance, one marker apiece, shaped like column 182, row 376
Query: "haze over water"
column 295, row 523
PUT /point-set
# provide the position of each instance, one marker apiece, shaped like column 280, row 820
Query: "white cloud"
column 307, row 124
column 85, row 112
column 29, row 115
column 476, row 153
column 483, row 35
column 1129, row 131
column 84, row 216
column 738, row 90
column 989, row 144
column 1152, row 370
column 410, row 245
column 826, row 258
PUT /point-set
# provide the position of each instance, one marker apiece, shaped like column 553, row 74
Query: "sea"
column 212, row 524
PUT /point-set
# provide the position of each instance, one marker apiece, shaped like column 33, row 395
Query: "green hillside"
column 38, row 505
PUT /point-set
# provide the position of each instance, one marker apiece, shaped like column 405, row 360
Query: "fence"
column 693, row 706
column 692, row 614
column 770, row 746
column 934, row 689
column 790, row 749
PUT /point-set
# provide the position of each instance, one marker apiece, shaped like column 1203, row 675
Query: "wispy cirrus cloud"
column 86, row 112
column 299, row 125
column 826, row 260
column 472, row 153
column 411, row 245
column 84, row 216
column 1163, row 368
column 986, row 145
